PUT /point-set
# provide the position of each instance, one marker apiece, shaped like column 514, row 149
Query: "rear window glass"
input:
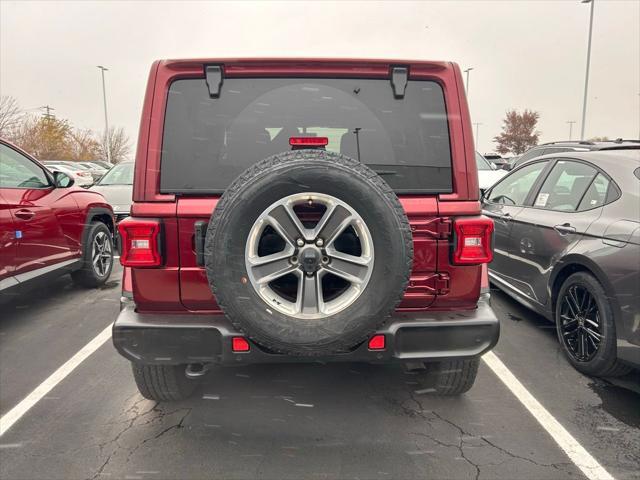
column 208, row 142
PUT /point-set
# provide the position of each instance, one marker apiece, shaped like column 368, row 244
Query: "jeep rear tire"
column 449, row 377
column 163, row 383
column 336, row 230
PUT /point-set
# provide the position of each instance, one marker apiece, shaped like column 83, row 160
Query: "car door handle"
column 564, row 229
column 25, row 214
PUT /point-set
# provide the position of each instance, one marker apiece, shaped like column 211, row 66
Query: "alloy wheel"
column 101, row 254
column 580, row 323
column 309, row 255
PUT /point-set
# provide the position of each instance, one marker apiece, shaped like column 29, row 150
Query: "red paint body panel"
column 181, row 285
column 8, row 242
column 50, row 222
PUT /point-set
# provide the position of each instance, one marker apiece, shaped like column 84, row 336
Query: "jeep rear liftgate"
column 425, row 284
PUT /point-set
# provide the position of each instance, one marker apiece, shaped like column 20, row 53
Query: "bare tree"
column 84, row 146
column 518, row 132
column 10, row 116
column 119, row 145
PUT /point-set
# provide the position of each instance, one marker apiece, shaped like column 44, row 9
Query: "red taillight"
column 377, row 342
column 308, row 141
column 473, row 241
column 140, row 240
column 240, row 344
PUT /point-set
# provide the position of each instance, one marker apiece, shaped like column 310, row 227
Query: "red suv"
column 49, row 227
column 302, row 211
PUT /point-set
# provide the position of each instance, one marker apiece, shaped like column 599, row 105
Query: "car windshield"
column 483, row 163
column 121, row 174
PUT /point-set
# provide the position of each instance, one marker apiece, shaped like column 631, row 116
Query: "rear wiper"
column 385, row 172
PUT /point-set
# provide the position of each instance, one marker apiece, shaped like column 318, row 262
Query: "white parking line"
column 576, row 452
column 13, row 415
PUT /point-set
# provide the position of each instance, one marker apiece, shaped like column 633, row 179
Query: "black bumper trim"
column 181, row 339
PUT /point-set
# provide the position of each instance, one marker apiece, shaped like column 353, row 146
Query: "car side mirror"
column 62, row 180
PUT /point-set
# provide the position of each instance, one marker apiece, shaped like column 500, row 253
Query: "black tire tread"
column 162, row 383
column 85, row 276
column 455, row 377
column 607, row 365
column 281, row 160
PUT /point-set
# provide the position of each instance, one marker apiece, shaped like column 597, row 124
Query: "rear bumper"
column 183, row 339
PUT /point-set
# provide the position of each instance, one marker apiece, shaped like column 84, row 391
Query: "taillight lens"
column 140, row 240
column 473, row 241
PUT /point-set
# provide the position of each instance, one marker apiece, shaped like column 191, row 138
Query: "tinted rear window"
column 208, row 142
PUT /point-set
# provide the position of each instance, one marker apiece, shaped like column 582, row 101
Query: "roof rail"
column 579, row 142
column 622, row 140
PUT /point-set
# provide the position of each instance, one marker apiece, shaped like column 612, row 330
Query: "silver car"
column 117, row 186
column 567, row 245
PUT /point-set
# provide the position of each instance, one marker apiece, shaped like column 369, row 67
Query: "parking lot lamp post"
column 586, row 77
column 570, row 122
column 106, row 120
column 477, row 124
column 466, row 85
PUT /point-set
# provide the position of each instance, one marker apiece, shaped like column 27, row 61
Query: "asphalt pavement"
column 315, row 421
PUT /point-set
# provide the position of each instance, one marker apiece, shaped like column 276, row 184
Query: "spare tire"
column 308, row 252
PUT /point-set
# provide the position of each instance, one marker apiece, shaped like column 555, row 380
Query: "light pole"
column 106, row 119
column 477, row 124
column 586, row 76
column 466, row 85
column 570, row 122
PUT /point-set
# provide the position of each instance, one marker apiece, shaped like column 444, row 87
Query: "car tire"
column 99, row 243
column 163, row 383
column 298, row 173
column 604, row 362
column 449, row 377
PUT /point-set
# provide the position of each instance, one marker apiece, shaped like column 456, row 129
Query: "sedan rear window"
column 210, row 141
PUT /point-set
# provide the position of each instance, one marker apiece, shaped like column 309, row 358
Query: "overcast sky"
column 525, row 54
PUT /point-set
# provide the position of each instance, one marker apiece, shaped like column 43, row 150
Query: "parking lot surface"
column 296, row 421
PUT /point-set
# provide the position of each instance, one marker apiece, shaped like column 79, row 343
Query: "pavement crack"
column 557, row 466
column 102, row 467
column 462, row 433
column 156, row 415
column 175, row 426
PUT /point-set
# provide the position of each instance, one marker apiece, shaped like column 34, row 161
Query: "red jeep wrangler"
column 304, row 210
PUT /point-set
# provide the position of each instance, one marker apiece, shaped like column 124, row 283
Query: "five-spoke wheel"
column 309, row 255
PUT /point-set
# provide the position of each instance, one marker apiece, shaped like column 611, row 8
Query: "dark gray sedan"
column 567, row 245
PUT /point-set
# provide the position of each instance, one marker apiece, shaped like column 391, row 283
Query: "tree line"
column 50, row 138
